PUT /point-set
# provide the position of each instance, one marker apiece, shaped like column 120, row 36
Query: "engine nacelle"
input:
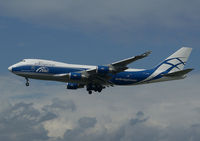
column 103, row 69
column 73, row 86
column 75, row 76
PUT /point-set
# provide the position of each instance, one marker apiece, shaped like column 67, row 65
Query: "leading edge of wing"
column 120, row 65
column 127, row 61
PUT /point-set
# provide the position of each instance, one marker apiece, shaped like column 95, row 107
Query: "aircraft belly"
column 42, row 76
column 45, row 76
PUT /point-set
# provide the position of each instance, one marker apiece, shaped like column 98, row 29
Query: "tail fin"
column 176, row 61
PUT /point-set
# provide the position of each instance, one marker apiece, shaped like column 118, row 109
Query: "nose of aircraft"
column 10, row 68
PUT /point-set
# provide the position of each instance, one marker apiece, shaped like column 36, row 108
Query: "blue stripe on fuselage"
column 129, row 78
column 46, row 69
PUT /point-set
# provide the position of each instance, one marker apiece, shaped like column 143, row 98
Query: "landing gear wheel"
column 89, row 92
column 27, row 84
column 99, row 90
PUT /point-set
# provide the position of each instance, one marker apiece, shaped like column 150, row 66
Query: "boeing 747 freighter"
column 96, row 78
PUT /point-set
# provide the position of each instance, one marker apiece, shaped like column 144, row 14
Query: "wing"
column 127, row 61
column 121, row 65
column 99, row 75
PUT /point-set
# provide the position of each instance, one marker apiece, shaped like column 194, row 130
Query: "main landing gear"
column 27, row 82
column 94, row 87
column 89, row 92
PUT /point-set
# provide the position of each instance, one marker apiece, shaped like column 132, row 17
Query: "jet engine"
column 74, row 86
column 75, row 76
column 103, row 69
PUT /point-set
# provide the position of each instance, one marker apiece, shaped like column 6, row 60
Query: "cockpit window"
column 24, row 60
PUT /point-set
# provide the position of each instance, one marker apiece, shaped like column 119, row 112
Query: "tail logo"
column 174, row 63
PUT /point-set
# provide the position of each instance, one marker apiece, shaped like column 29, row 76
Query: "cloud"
column 162, row 111
column 138, row 131
column 60, row 104
column 139, row 118
column 109, row 14
column 80, row 132
column 87, row 122
column 22, row 122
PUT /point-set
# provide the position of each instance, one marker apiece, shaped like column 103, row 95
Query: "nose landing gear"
column 27, row 82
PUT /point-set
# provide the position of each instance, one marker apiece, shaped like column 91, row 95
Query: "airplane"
column 96, row 78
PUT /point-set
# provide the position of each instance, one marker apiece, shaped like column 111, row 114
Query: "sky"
column 98, row 32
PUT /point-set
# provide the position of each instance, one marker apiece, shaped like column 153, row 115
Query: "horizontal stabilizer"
column 178, row 73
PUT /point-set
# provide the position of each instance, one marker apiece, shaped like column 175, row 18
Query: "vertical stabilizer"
column 176, row 61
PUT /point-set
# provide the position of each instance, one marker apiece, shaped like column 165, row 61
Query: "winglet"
column 147, row 53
